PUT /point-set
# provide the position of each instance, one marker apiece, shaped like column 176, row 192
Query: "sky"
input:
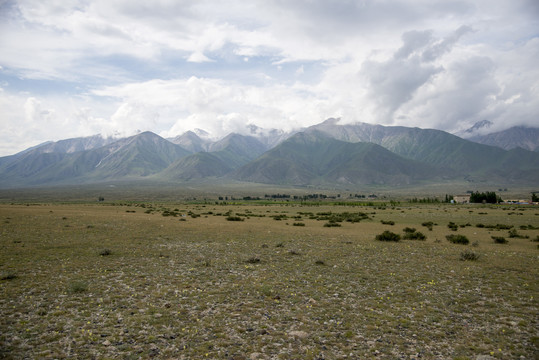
column 73, row 68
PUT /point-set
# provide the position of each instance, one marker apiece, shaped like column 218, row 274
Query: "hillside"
column 515, row 137
column 224, row 156
column 465, row 159
column 325, row 154
column 137, row 156
column 315, row 158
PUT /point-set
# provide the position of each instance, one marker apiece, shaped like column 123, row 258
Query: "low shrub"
column 105, row 252
column 415, row 235
column 7, row 275
column 468, row 255
column 428, row 225
column 499, row 240
column 452, row 226
column 332, row 224
column 387, row 222
column 234, row 218
column 458, row 239
column 408, row 230
column 513, row 233
column 388, row 236
column 76, row 287
column 253, row 260
column 298, row 224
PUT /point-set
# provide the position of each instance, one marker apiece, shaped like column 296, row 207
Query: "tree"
column 535, row 198
column 488, row 197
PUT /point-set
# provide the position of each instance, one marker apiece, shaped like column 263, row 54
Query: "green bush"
column 298, row 224
column 332, row 224
column 105, row 252
column 468, row 255
column 452, row 226
column 513, row 233
column 234, row 218
column 415, row 235
column 7, row 275
column 388, row 236
column 76, row 287
column 499, row 240
column 408, row 230
column 253, row 260
column 387, row 222
column 458, row 239
column 428, row 225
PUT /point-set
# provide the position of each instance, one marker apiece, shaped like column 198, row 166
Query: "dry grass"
column 191, row 289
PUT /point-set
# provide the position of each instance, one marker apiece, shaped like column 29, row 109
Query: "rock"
column 106, row 343
column 254, row 356
column 298, row 333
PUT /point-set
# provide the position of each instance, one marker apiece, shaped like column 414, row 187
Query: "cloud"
column 79, row 67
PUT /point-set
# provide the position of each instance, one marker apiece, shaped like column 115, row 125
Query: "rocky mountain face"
column 515, row 137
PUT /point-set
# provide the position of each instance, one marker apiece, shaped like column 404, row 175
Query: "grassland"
column 194, row 281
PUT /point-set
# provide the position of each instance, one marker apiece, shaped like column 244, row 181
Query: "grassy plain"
column 123, row 281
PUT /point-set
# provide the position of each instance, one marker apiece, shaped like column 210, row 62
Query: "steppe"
column 267, row 280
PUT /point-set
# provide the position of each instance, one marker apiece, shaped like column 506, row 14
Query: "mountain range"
column 325, row 154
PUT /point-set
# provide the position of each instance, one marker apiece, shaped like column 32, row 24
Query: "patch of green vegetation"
column 458, row 239
column 499, row 240
column 78, row 286
column 468, row 255
column 388, row 236
column 209, row 288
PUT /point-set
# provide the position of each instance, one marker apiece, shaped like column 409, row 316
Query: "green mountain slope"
column 225, row 155
column 315, row 158
column 137, row 156
column 465, row 159
column 196, row 166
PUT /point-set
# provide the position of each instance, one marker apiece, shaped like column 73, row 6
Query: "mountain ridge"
column 326, row 153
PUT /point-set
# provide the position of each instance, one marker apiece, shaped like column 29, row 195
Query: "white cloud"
column 169, row 66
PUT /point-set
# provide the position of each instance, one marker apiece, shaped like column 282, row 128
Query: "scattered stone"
column 298, row 333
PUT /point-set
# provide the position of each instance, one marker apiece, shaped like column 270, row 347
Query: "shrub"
column 452, row 226
column 499, row 240
column 468, row 255
column 388, row 236
column 387, row 222
column 320, row 262
column 298, row 224
column 408, row 230
column 76, row 287
column 415, row 235
column 8, row 275
column 332, row 224
column 105, row 252
column 536, row 239
column 234, row 218
column 514, row 234
column 428, row 225
column 253, row 260
column 458, row 239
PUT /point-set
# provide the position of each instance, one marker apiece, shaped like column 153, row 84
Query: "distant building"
column 462, row 199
